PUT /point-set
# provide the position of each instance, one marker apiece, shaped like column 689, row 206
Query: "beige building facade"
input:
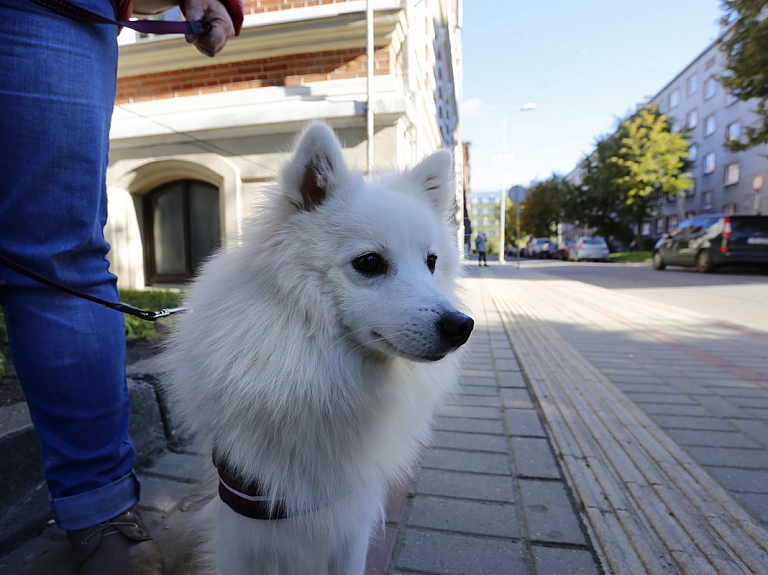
column 195, row 141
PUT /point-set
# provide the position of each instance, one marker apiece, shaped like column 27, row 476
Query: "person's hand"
column 222, row 29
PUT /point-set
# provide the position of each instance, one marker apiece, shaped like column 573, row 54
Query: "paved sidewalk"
column 601, row 435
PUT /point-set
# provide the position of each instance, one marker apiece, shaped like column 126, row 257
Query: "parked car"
column 709, row 241
column 535, row 246
column 563, row 250
column 589, row 248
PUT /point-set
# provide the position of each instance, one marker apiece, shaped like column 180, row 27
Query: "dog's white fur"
column 309, row 376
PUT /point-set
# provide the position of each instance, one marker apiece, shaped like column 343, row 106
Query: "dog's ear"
column 434, row 175
column 316, row 168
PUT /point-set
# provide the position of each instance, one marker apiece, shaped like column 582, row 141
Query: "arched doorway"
column 182, row 228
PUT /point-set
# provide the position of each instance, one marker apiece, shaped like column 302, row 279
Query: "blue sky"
column 584, row 64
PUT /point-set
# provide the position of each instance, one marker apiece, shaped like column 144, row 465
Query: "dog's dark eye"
column 371, row 264
column 431, row 261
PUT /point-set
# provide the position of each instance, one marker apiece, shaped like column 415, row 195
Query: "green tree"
column 510, row 225
column 746, row 50
column 599, row 200
column 541, row 210
column 653, row 161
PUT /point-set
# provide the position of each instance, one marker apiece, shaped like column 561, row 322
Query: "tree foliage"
column 653, row 160
column 627, row 174
column 746, row 50
column 541, row 210
column 598, row 202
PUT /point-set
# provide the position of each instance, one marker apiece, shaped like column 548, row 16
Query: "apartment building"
column 485, row 214
column 196, row 141
column 699, row 106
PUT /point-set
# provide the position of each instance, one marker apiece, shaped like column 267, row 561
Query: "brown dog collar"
column 247, row 498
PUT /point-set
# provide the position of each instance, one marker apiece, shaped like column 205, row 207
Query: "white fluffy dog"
column 315, row 356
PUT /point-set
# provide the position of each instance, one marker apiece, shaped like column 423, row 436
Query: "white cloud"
column 472, row 106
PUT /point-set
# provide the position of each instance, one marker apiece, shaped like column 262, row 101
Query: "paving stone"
column 675, row 410
column 524, row 422
column 705, row 438
column 664, row 398
column 730, row 457
column 486, row 391
column 549, row 514
column 471, row 517
column 534, row 458
column 491, row 426
column 467, row 461
column 506, row 365
column 460, row 555
column 470, row 441
column 480, row 381
column 475, row 400
column 468, row 411
column 465, row 485
column 741, row 480
column 163, row 495
column 757, row 503
column 559, row 561
column 511, row 379
column 516, row 398
column 180, row 466
column 688, row 422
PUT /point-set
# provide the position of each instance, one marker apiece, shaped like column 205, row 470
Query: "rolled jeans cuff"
column 97, row 506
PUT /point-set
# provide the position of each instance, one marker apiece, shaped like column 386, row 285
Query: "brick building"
column 195, row 141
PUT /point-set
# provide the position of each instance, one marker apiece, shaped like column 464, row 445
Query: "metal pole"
column 517, row 223
column 502, row 204
column 369, row 76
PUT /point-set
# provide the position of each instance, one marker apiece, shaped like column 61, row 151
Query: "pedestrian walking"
column 480, row 245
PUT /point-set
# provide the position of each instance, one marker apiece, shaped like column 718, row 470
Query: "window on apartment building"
column 692, row 119
column 181, row 227
column 709, row 163
column 710, row 88
column 674, row 99
column 662, row 108
column 659, row 226
column 691, row 191
column 710, row 125
column 693, row 84
column 673, row 221
column 732, row 173
column 729, row 209
column 693, row 152
column 733, row 132
column 730, row 99
column 706, row 198
column 675, row 127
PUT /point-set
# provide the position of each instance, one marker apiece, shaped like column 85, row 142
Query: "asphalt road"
column 738, row 296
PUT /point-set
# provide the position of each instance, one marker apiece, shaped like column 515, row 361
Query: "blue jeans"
column 57, row 89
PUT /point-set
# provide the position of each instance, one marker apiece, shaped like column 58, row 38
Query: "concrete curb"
column 24, row 509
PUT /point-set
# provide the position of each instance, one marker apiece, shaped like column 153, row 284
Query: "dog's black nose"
column 456, row 327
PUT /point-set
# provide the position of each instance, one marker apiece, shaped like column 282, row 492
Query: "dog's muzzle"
column 455, row 327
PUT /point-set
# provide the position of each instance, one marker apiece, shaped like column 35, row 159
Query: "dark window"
column 181, row 223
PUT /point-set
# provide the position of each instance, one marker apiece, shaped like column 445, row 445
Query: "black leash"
column 75, row 12
column 144, row 314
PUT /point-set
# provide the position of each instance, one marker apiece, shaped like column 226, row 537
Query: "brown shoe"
column 120, row 546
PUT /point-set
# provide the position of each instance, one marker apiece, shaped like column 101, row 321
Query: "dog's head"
column 378, row 256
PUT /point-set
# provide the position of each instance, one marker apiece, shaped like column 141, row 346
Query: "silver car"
column 589, row 248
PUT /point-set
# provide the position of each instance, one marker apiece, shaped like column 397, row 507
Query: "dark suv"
column 713, row 240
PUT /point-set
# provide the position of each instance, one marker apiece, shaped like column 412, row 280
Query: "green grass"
column 630, row 257
column 137, row 329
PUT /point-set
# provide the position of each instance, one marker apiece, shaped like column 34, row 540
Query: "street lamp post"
column 502, row 219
